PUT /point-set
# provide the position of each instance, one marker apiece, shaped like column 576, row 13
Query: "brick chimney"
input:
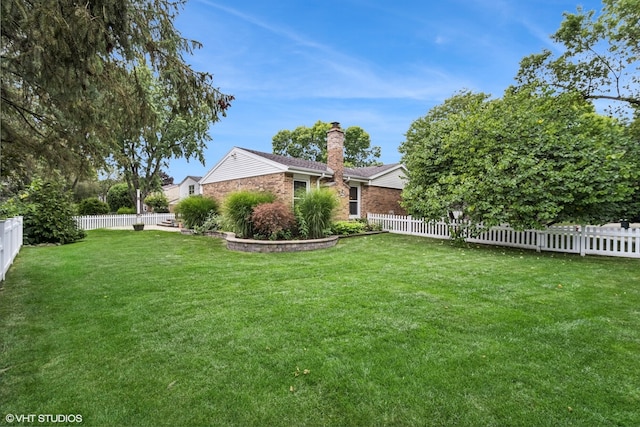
column 335, row 152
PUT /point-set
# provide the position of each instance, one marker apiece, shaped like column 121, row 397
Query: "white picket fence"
column 583, row 240
column 10, row 243
column 92, row 222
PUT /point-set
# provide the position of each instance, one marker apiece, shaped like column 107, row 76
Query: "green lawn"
column 153, row 328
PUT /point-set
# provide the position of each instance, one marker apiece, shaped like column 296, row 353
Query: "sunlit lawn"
column 153, row 328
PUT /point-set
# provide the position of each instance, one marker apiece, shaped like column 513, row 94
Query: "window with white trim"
column 354, row 202
column 300, row 188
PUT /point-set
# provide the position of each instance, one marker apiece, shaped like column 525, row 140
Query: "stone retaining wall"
column 248, row 245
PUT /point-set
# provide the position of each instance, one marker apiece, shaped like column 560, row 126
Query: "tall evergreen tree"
column 67, row 85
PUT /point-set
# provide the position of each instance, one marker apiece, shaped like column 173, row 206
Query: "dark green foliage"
column 126, row 211
column 345, row 228
column 528, row 159
column 92, row 206
column 599, row 57
column 213, row 222
column 85, row 190
column 317, row 208
column 273, row 221
column 158, row 202
column 311, row 144
column 119, row 197
column 238, row 208
column 194, row 210
column 301, row 222
column 68, row 71
column 48, row 214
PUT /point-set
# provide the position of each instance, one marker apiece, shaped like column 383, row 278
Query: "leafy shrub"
column 317, row 208
column 301, row 223
column 239, row 206
column 345, row 228
column 92, row 206
column 194, row 210
column 212, row 223
column 126, row 211
column 48, row 214
column 119, row 197
column 158, row 202
column 273, row 221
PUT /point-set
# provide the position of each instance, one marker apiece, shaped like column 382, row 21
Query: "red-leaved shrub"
column 273, row 220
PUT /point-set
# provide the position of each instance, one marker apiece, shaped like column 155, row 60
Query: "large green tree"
column 170, row 133
column 528, row 159
column 600, row 59
column 67, row 80
column 311, row 144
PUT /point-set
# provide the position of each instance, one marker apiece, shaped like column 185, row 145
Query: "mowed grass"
column 153, row 328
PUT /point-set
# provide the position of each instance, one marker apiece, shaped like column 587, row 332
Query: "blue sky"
column 375, row 64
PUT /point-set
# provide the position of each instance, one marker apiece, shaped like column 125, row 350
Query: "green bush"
column 93, row 206
column 158, row 202
column 273, row 221
column 126, row 211
column 238, row 208
column 48, row 214
column 345, row 228
column 119, row 197
column 317, row 208
column 194, row 210
column 212, row 223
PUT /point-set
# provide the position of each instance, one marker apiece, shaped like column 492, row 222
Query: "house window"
column 192, row 189
column 299, row 190
column 354, row 202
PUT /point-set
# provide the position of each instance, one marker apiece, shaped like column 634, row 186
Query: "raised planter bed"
column 249, row 245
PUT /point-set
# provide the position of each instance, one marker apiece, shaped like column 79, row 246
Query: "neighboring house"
column 374, row 189
column 176, row 192
column 172, row 193
column 189, row 186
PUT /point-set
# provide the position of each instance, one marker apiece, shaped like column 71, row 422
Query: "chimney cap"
column 335, row 125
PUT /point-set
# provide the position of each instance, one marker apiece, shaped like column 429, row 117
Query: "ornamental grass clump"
column 238, row 208
column 194, row 210
column 317, row 209
column 273, row 221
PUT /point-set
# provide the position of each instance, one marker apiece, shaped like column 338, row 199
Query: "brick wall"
column 273, row 183
column 374, row 199
column 381, row 200
column 279, row 184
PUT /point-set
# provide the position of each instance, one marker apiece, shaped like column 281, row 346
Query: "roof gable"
column 240, row 163
column 243, row 163
column 293, row 163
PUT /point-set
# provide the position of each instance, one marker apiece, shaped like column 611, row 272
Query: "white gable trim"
column 392, row 178
column 239, row 163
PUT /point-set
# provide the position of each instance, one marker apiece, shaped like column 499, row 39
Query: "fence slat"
column 10, row 243
column 92, row 222
column 587, row 240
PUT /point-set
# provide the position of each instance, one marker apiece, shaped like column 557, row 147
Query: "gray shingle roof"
column 368, row 171
column 292, row 161
column 364, row 173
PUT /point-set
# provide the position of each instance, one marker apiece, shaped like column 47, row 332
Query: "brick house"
column 374, row 189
